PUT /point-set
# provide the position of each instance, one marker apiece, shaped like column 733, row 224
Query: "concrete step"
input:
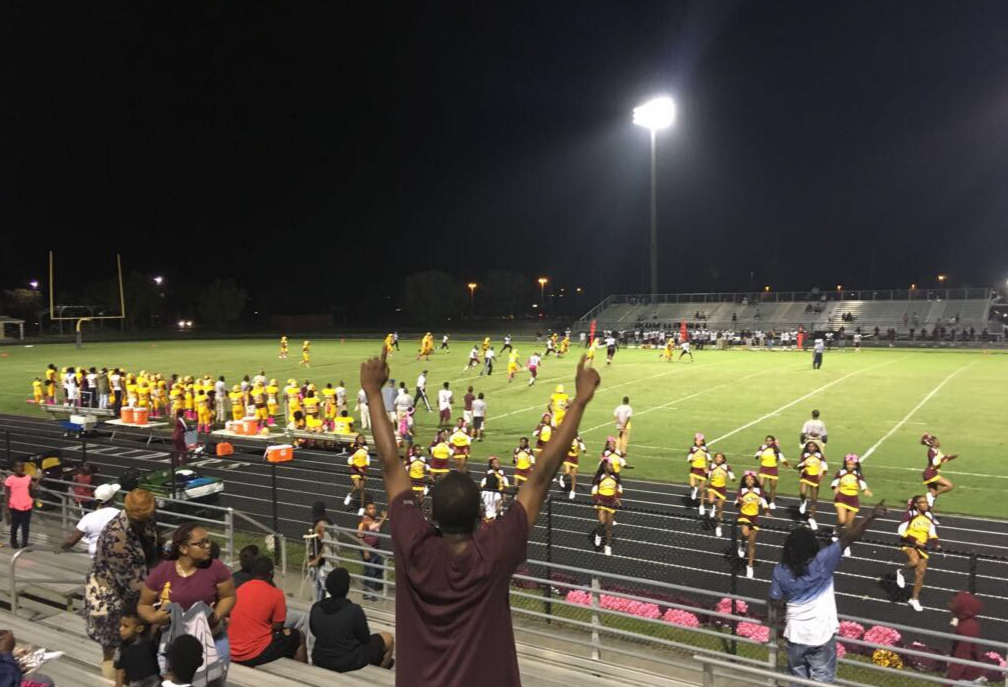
column 320, row 677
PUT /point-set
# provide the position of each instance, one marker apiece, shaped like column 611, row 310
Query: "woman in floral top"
column 126, row 551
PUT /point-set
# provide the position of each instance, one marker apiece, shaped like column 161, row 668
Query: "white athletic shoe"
column 426, row 490
column 741, row 552
column 900, row 580
column 571, row 495
column 916, row 605
column 713, row 512
column 703, row 511
column 717, row 530
column 812, row 524
column 773, row 506
column 598, row 540
column 693, row 494
column 561, row 482
column 608, row 550
column 930, row 499
column 346, row 501
column 846, row 552
column 749, row 571
column 801, row 508
column 360, row 511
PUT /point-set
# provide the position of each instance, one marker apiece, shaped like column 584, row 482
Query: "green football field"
column 877, row 402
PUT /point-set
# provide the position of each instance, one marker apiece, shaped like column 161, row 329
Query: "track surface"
column 668, row 542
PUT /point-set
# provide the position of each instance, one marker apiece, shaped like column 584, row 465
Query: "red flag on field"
column 683, row 334
column 591, row 332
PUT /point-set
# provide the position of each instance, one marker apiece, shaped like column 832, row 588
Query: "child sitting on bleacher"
column 185, row 656
column 136, row 660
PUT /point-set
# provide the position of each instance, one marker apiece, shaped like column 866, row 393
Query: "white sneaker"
column 801, row 508
column 916, row 605
column 561, row 481
column 773, row 506
column 900, row 580
column 749, row 571
column 812, row 524
column 741, row 552
column 930, row 500
column 717, row 531
column 713, row 512
column 703, row 511
column 346, row 501
column 608, row 550
column 846, row 552
column 598, row 540
column 360, row 511
column 571, row 496
column 426, row 490
column 693, row 494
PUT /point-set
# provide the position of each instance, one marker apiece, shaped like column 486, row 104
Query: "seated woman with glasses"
column 190, row 575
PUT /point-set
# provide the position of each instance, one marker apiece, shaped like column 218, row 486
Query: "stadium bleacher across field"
column 902, row 310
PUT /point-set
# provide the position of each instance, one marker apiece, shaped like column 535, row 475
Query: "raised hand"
column 374, row 372
column 880, row 509
column 585, row 381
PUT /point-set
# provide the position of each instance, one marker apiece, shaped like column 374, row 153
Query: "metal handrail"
column 12, row 566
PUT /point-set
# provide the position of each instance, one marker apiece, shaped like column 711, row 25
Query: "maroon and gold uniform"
column 440, row 452
column 359, row 462
column 574, row 453
column 698, row 460
column 812, row 466
column 935, row 460
column 717, row 479
column 848, row 485
column 916, row 532
column 523, row 460
column 750, row 503
column 607, row 492
column 769, row 457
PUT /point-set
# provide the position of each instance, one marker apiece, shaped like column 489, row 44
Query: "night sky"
column 304, row 148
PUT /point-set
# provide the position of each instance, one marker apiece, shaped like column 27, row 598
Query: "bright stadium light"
column 158, row 280
column 472, row 291
column 942, row 278
column 188, row 323
column 542, row 288
column 654, row 115
column 181, row 324
column 33, row 283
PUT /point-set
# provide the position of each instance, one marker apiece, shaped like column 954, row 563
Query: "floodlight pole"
column 654, row 219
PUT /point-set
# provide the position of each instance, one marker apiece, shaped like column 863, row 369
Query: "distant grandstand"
column 906, row 310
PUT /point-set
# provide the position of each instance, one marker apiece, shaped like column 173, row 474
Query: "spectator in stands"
column 135, row 660
column 256, row 630
column 126, row 550
column 19, row 492
column 246, row 556
column 91, row 525
column 802, row 585
column 10, row 669
column 388, row 400
column 188, row 576
column 452, row 580
column 965, row 608
column 369, row 527
column 343, row 641
column 185, row 656
column 319, row 553
column 82, row 489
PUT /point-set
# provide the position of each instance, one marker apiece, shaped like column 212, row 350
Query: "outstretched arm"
column 851, row 534
column 534, row 491
column 374, row 374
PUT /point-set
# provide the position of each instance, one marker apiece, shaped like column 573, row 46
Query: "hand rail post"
column 229, row 528
column 596, row 643
column 282, row 541
column 549, row 555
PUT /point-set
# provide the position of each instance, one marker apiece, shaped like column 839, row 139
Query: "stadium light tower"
column 158, row 280
column 472, row 291
column 542, row 288
column 34, row 284
column 654, row 115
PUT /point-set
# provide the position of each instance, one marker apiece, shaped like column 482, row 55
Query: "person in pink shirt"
column 19, row 489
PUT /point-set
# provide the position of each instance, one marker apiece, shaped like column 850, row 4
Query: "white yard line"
column 913, row 410
column 800, row 399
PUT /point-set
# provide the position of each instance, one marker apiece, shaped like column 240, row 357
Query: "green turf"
column 718, row 394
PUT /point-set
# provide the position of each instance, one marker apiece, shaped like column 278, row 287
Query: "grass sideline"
column 881, row 398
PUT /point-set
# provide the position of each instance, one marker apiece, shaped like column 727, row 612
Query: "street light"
column 158, row 280
column 472, row 290
column 654, row 115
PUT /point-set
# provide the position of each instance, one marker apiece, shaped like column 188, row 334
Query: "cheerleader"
column 493, row 488
column 750, row 503
column 936, row 484
column 917, row 532
column 769, row 456
column 440, row 452
column 607, row 492
column 570, row 466
column 460, row 444
column 359, row 461
column 846, row 485
column 543, row 432
column 523, row 459
column 717, row 489
column 699, row 460
column 611, row 454
column 418, row 471
column 812, row 466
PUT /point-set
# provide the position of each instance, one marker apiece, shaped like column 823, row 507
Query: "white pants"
column 365, row 415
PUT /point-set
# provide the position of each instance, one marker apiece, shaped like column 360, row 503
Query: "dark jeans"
column 816, row 361
column 19, row 518
column 813, row 662
column 373, row 569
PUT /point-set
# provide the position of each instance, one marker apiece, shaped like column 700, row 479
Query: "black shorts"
column 281, row 646
column 477, row 422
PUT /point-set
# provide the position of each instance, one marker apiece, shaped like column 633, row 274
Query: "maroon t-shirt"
column 454, row 610
column 185, row 591
column 467, row 401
